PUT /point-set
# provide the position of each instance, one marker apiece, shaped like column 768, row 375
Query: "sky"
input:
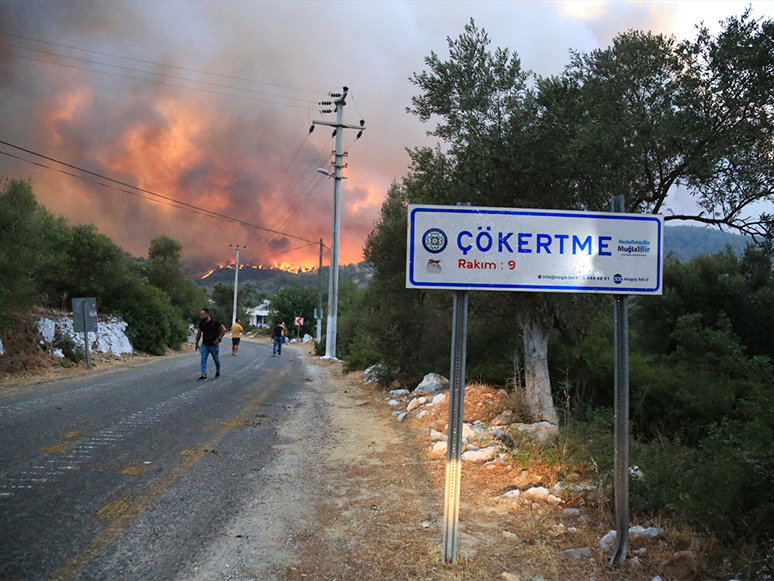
column 210, row 104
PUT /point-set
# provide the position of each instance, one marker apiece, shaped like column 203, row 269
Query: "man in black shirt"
column 278, row 338
column 210, row 332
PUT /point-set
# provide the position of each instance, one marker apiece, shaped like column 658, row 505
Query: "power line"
column 156, row 82
column 158, row 64
column 312, row 164
column 169, row 201
column 91, row 62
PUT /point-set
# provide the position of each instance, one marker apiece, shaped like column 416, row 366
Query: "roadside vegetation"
column 45, row 262
column 635, row 119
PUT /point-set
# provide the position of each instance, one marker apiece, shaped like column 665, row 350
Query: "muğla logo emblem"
column 434, row 240
column 434, row 266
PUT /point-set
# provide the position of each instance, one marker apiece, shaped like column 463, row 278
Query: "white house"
column 259, row 315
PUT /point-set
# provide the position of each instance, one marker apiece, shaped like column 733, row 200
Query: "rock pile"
column 109, row 338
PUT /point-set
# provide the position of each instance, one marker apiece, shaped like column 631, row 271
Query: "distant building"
column 259, row 315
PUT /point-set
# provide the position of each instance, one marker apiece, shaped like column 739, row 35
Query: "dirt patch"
column 380, row 515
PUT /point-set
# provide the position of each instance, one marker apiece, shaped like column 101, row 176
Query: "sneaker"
column 217, row 374
column 201, row 378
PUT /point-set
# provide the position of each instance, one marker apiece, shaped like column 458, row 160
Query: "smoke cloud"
column 210, row 103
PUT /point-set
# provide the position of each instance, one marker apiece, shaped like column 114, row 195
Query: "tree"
column 294, row 301
column 164, row 270
column 18, row 239
column 495, row 145
column 693, row 119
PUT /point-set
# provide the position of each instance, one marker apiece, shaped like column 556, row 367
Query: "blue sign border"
column 562, row 214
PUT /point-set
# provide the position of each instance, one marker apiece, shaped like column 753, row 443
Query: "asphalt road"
column 127, row 474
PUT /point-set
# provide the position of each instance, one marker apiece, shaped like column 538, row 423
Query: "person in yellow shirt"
column 236, row 334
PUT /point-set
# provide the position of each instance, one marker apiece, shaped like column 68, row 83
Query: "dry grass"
column 384, row 520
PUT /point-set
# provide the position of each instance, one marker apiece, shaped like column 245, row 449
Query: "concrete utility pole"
column 338, row 165
column 319, row 313
column 236, row 281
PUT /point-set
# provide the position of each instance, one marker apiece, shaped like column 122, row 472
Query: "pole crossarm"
column 342, row 125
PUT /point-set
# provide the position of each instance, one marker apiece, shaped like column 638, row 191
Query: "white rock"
column 515, row 493
column 506, row 418
column 505, row 576
column 584, row 552
column 110, row 336
column 536, row 494
column 397, row 392
column 432, row 382
column 373, row 373
column 468, row 432
column 439, row 398
column 57, row 353
column 422, row 413
column 573, row 512
column 636, row 533
column 412, row 405
column 480, row 456
column 307, row 338
column 2, row 350
column 402, row 416
column 438, row 436
column 510, row 535
column 438, row 449
column 393, row 402
column 541, row 432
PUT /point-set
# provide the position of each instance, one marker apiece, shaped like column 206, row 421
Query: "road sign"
column 85, row 315
column 478, row 248
column 85, row 321
column 300, row 321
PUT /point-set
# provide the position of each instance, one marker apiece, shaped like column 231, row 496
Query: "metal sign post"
column 299, row 323
column 451, row 511
column 85, row 321
column 621, row 450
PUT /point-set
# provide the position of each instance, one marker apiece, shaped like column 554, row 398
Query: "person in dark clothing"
column 278, row 338
column 210, row 333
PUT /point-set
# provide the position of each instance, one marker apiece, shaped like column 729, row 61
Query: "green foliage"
column 291, row 302
column 164, row 270
column 72, row 352
column 153, row 322
column 45, row 261
column 19, row 246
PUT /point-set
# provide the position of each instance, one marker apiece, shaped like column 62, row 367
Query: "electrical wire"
column 159, row 198
column 130, row 69
column 312, row 164
column 156, row 82
column 158, row 64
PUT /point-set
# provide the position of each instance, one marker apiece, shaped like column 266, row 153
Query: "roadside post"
column 85, row 321
column 621, row 403
column 464, row 248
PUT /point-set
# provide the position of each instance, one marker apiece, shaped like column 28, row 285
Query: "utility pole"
column 338, row 165
column 319, row 313
column 236, row 281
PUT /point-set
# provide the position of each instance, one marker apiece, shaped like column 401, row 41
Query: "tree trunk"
column 536, row 325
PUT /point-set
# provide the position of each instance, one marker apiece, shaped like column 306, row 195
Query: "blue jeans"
column 213, row 350
column 278, row 345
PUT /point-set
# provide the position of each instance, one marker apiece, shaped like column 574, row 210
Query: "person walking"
column 210, row 332
column 278, row 339
column 236, row 334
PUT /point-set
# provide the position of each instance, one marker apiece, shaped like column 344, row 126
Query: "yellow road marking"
column 123, row 513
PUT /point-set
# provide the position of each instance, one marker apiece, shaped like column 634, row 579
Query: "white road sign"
column 479, row 248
